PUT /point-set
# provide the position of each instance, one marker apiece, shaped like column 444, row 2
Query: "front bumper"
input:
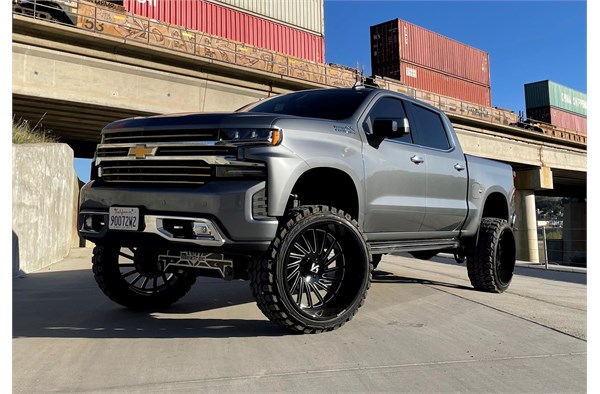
column 221, row 210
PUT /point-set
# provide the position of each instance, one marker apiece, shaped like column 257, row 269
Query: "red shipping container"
column 234, row 25
column 435, row 82
column 398, row 41
column 559, row 118
column 444, row 84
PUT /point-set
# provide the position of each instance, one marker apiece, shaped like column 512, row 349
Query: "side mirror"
column 385, row 127
column 388, row 128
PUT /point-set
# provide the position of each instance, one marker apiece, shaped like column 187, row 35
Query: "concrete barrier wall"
column 45, row 190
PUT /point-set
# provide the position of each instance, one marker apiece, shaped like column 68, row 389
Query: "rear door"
column 446, row 195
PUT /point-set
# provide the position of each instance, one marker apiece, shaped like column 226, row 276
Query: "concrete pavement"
column 422, row 329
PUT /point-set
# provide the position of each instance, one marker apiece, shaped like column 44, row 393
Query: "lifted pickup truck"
column 301, row 194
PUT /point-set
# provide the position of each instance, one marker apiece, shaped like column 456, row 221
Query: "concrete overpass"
column 77, row 81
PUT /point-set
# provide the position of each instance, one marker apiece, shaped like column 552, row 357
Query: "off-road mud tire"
column 491, row 263
column 271, row 277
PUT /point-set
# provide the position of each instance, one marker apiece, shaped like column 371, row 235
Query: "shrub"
column 23, row 133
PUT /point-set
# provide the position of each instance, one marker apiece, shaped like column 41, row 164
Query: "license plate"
column 120, row 218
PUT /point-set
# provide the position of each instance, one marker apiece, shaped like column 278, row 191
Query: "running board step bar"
column 412, row 246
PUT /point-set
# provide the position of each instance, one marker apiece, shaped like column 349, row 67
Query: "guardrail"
column 555, row 249
column 106, row 18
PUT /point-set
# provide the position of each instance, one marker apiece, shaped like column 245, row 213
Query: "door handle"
column 459, row 167
column 417, row 159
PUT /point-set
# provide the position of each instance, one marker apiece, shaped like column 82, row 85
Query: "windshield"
column 332, row 104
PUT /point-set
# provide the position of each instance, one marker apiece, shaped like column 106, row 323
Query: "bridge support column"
column 526, row 182
column 575, row 233
column 526, row 227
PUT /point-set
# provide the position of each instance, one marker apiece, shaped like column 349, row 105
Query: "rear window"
column 332, row 104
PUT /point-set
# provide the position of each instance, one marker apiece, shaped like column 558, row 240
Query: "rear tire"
column 138, row 280
column 491, row 264
column 316, row 274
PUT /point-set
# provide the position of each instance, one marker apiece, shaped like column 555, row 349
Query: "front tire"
column 134, row 277
column 491, row 264
column 316, row 273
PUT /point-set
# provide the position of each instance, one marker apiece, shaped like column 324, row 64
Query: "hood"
column 192, row 120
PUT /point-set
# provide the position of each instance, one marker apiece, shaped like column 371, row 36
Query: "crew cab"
column 301, row 194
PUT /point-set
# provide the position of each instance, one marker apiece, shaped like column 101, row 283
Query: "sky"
column 527, row 41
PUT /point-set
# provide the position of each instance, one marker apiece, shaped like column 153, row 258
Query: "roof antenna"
column 358, row 84
column 359, row 77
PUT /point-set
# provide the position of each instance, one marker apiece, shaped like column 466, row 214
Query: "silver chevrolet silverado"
column 301, row 194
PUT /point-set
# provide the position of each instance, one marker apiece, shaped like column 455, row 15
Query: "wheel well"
column 495, row 207
column 326, row 186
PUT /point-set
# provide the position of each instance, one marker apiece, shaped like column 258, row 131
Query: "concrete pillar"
column 526, row 228
column 527, row 181
column 575, row 233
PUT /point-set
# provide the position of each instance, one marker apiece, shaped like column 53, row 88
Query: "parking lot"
column 422, row 329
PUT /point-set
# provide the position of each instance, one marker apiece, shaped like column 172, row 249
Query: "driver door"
column 395, row 177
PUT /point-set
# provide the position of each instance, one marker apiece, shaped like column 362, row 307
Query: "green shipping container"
column 551, row 94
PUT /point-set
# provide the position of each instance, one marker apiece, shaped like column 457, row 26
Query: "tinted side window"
column 430, row 129
column 386, row 108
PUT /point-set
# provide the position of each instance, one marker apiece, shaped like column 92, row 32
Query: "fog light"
column 200, row 230
column 88, row 223
column 259, row 205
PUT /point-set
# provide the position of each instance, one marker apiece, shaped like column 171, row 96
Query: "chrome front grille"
column 170, row 158
column 172, row 165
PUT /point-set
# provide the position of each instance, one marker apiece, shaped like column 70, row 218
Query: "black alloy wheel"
column 315, row 269
column 137, row 278
column 144, row 272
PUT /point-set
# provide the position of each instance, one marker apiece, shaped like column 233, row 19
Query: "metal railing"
column 562, row 246
column 106, row 18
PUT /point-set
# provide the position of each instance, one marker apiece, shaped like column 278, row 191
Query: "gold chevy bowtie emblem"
column 141, row 151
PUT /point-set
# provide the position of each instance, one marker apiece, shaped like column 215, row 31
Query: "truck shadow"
column 69, row 304
column 560, row 276
column 388, row 277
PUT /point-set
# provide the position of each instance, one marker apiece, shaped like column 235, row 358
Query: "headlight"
column 250, row 136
